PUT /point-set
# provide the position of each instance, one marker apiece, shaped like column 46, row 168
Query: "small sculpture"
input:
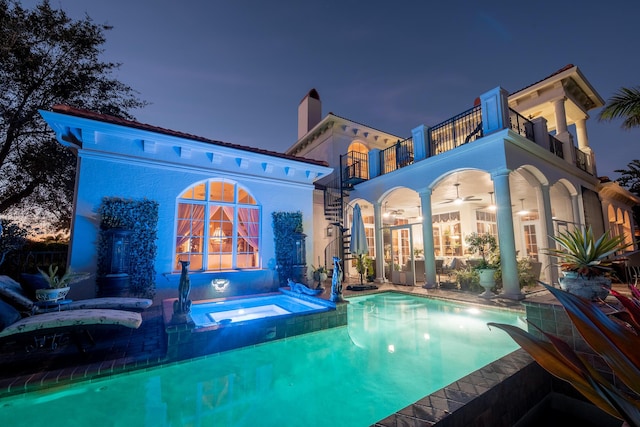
column 301, row 288
column 336, row 281
column 182, row 307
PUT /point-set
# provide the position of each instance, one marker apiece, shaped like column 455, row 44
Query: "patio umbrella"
column 358, row 245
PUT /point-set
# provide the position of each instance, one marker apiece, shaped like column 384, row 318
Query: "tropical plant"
column 486, row 246
column 47, row 58
column 623, row 104
column 68, row 278
column 582, row 253
column 615, row 338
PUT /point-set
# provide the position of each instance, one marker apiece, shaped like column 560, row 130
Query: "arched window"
column 217, row 227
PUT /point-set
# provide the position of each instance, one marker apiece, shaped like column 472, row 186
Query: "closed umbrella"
column 358, row 245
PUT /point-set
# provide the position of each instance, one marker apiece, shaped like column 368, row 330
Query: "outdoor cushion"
column 11, row 292
column 8, row 315
column 115, row 303
column 73, row 318
column 32, row 282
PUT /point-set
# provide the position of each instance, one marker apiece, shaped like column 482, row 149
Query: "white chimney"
column 309, row 112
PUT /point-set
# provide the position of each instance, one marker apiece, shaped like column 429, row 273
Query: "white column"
column 377, row 221
column 581, row 133
column 427, row 239
column 547, row 231
column 561, row 116
column 562, row 133
column 575, row 205
column 506, row 239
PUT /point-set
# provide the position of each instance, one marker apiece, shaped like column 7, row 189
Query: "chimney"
column 309, row 112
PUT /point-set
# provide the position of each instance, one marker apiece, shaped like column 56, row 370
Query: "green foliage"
column 624, row 104
column 486, row 246
column 285, row 226
column 141, row 217
column 614, row 338
column 46, row 58
column 468, row 279
column 526, row 277
column 581, row 252
column 12, row 237
column 67, row 279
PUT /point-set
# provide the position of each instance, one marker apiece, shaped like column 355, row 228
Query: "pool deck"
column 126, row 350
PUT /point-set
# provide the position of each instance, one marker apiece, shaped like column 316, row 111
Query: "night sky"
column 236, row 70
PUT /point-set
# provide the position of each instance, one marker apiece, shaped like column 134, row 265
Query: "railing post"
column 541, row 133
column 374, row 163
column 420, row 143
column 495, row 110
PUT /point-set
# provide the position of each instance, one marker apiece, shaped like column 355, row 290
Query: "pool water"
column 243, row 309
column 397, row 349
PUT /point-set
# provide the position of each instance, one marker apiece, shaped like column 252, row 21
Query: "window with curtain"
column 217, row 227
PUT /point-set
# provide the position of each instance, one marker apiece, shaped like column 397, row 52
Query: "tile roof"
column 72, row 111
column 563, row 69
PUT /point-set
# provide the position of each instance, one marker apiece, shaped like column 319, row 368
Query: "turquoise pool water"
column 396, row 349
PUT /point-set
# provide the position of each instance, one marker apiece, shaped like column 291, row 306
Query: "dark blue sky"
column 236, row 70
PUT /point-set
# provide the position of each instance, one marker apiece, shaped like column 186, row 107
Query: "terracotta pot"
column 593, row 288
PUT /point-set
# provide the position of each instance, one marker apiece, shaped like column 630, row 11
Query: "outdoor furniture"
column 12, row 292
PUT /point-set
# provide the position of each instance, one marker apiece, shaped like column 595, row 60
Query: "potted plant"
column 486, row 246
column 585, row 261
column 58, row 287
column 319, row 274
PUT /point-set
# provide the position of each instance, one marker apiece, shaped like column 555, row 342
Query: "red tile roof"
column 565, row 68
column 65, row 109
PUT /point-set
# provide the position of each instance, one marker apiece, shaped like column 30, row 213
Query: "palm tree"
column 623, row 104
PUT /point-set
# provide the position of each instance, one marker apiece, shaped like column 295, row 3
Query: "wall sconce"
column 330, row 231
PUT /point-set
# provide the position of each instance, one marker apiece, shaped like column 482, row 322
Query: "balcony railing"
column 355, row 167
column 581, row 160
column 518, row 123
column 458, row 130
column 397, row 156
column 555, row 146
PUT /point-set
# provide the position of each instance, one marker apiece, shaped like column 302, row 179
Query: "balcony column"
column 374, row 163
column 430, row 280
column 547, row 230
column 421, row 143
column 562, row 132
column 583, row 144
column 495, row 110
column 506, row 239
column 377, row 220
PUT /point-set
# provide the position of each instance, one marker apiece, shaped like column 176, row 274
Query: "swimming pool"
column 396, row 349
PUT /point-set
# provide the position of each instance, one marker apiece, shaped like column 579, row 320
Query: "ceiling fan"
column 459, row 200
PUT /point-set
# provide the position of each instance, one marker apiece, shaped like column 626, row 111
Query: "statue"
column 182, row 307
column 336, row 281
column 301, row 288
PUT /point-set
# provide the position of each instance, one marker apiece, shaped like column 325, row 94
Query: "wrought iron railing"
column 456, row 131
column 397, row 156
column 582, row 160
column 355, row 166
column 555, row 146
column 520, row 124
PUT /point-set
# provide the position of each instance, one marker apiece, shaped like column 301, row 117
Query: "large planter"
column 593, row 288
column 51, row 295
column 113, row 285
column 487, row 281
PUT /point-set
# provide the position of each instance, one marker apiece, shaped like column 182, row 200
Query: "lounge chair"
column 12, row 292
column 45, row 329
